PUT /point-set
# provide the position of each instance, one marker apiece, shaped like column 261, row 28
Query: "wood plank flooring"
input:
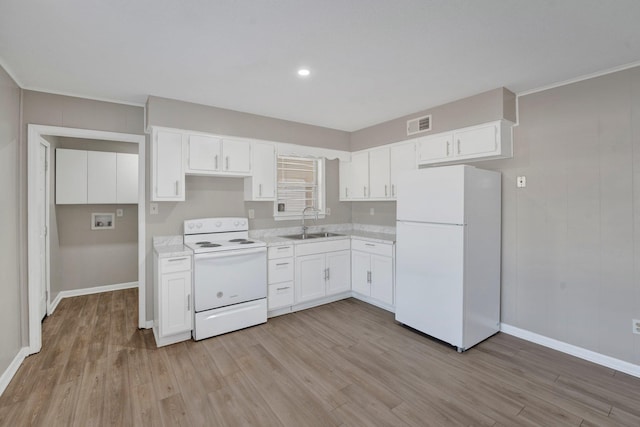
column 342, row 364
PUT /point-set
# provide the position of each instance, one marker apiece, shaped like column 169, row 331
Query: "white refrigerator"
column 448, row 253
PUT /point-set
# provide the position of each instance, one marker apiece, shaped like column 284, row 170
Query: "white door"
column 338, row 272
column 360, row 272
column 43, row 221
column 379, row 173
column 203, row 154
column 401, row 158
column 429, row 279
column 310, row 277
column 382, row 278
column 101, row 177
column 237, row 156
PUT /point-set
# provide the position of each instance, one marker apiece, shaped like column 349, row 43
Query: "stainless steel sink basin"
column 300, row 236
column 311, row 235
column 326, row 234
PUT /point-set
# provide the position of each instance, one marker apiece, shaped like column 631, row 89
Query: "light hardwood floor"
column 342, row 364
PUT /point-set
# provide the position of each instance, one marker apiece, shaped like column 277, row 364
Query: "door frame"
column 47, row 250
column 34, row 136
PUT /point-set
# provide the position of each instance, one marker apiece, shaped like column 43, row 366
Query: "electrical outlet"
column 372, row 211
column 119, row 212
column 328, row 211
column 521, row 181
column 251, row 213
column 636, row 326
column 153, row 209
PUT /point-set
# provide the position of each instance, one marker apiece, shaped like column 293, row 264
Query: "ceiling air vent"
column 420, row 124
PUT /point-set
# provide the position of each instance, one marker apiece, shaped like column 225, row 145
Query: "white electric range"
column 229, row 275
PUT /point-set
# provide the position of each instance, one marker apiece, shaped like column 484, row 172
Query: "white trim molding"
column 88, row 291
column 582, row 353
column 11, row 370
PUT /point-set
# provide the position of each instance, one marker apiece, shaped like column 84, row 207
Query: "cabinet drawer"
column 280, row 270
column 280, row 251
column 322, row 247
column 384, row 249
column 170, row 265
column 280, row 295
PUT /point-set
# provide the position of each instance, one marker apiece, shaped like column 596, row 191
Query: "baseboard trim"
column 582, row 353
column 11, row 370
column 89, row 291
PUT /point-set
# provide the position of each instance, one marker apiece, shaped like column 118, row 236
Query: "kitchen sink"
column 311, row 235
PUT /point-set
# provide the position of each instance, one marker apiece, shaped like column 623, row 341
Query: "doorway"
column 38, row 220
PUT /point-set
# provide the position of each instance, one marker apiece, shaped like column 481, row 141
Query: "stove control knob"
column 243, row 223
column 218, row 223
column 190, row 226
column 236, row 223
column 199, row 225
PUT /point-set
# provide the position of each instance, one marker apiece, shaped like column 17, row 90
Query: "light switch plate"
column 119, row 212
column 153, row 209
column 251, row 213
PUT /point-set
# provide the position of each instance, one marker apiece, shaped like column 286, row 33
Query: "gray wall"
column 570, row 238
column 10, row 239
column 485, row 107
column 186, row 115
column 84, row 258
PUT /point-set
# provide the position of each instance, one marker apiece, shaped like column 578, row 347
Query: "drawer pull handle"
column 282, row 263
column 283, row 247
column 282, row 289
column 177, row 259
column 369, row 244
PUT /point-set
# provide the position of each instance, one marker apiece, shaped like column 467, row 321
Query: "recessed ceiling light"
column 304, row 72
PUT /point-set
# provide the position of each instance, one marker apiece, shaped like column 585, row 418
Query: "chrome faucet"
column 304, row 211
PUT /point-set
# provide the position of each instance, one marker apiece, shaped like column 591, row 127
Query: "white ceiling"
column 371, row 60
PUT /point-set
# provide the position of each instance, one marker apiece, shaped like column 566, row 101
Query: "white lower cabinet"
column 372, row 272
column 322, row 269
column 173, row 313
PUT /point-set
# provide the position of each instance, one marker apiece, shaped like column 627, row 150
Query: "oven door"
column 229, row 277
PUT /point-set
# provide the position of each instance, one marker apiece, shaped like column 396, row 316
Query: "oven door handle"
column 224, row 254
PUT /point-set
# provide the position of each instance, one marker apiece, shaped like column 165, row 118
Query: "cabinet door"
column 203, row 154
column 310, row 277
column 382, row 278
column 71, row 177
column 360, row 272
column 176, row 308
column 401, row 158
column 379, row 174
column 346, row 188
column 436, row 148
column 477, row 141
column 338, row 272
column 167, row 167
column 262, row 183
column 236, row 156
column 101, row 177
column 359, row 176
column 126, row 178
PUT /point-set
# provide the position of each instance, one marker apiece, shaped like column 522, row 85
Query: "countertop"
column 170, row 246
column 364, row 235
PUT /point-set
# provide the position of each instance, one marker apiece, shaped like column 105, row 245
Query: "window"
column 300, row 185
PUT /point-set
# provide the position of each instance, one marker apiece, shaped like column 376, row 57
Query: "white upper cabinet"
column 402, row 157
column 482, row 142
column 126, row 178
column 359, row 182
column 101, row 177
column 167, row 167
column 261, row 185
column 344, row 178
column 436, row 148
column 209, row 155
column 96, row 177
column 71, row 176
column 379, row 183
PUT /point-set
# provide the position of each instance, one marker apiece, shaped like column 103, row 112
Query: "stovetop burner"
column 209, row 245
column 203, row 243
column 246, row 242
column 238, row 240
